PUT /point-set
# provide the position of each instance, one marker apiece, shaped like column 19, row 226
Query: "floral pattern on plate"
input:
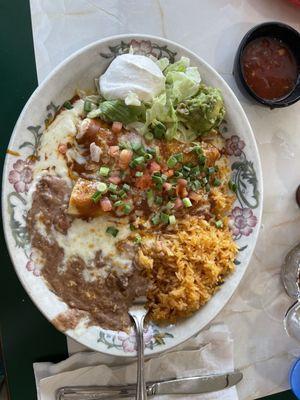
column 243, row 219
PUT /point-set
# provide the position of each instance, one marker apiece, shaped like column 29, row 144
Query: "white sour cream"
column 131, row 76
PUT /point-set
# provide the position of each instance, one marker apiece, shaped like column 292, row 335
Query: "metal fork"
column 138, row 312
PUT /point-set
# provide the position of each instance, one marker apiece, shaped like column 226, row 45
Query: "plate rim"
column 36, row 92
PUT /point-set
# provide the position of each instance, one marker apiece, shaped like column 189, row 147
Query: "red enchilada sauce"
column 269, row 68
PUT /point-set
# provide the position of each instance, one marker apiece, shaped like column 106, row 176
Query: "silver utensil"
column 192, row 385
column 138, row 312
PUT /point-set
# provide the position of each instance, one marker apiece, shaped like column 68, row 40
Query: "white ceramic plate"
column 79, row 71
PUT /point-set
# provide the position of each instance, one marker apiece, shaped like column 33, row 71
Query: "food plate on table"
column 131, row 171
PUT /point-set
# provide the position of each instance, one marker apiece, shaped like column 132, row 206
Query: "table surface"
column 25, row 334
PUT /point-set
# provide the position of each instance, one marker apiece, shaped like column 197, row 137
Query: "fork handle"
column 141, row 392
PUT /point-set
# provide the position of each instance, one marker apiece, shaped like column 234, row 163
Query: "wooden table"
column 25, row 334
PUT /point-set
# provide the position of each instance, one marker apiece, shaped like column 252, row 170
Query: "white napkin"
column 211, row 351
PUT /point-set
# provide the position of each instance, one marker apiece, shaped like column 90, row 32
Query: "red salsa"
column 269, row 68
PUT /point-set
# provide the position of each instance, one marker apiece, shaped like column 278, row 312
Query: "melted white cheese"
column 61, row 130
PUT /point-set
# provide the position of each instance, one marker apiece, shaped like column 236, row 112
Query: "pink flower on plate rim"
column 234, row 146
column 20, row 176
column 142, row 47
column 128, row 341
column 242, row 221
column 30, row 266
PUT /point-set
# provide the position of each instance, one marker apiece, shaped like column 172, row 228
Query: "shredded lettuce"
column 162, row 63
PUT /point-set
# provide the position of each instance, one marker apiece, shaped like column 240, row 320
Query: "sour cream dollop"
column 132, row 78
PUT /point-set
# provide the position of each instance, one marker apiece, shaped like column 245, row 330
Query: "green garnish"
column 148, row 156
column 232, row 186
column 118, row 203
column 137, row 161
column 158, row 200
column 211, row 170
column 139, row 174
column 187, row 202
column 151, row 150
column 136, row 146
column 126, row 187
column 157, row 179
column 197, row 149
column 112, row 231
column 202, row 160
column 122, row 194
column 150, row 197
column 112, row 187
column 155, row 219
column 102, row 187
column 196, row 185
column 96, row 196
column 172, row 219
column 137, row 239
column 87, row 107
column 127, row 208
column 164, row 218
column 186, row 168
column 219, row 224
column 195, row 171
column 178, row 174
column 104, row 171
column 68, row 105
column 170, row 205
column 159, row 130
column 132, row 227
column 149, row 136
column 113, row 197
column 204, row 180
column 207, row 187
column 217, row 182
column 172, row 161
column 179, row 157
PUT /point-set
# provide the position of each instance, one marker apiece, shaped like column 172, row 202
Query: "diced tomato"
column 125, row 158
column 154, row 167
column 169, row 173
column 143, row 182
column 167, row 186
column 106, row 204
column 114, row 151
column 115, row 179
column 178, row 203
column 116, row 127
column 62, row 148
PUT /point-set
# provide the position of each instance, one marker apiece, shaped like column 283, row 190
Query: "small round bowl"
column 279, row 31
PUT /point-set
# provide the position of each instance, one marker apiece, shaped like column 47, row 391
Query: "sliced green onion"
column 179, row 157
column 172, row 219
column 149, row 136
column 126, row 187
column 68, row 105
column 211, row 170
column 204, row 180
column 112, row 187
column 139, row 174
column 148, row 156
column 152, row 151
column 87, row 107
column 219, row 224
column 207, row 187
column 202, row 160
column 164, row 218
column 187, row 202
column 136, row 146
column 137, row 239
column 137, row 161
column 118, row 203
column 232, row 186
column 127, row 208
column 150, row 197
column 172, row 161
column 186, row 168
column 159, row 130
column 195, row 170
column 113, row 197
column 170, row 205
column 155, row 219
column 178, row 174
column 112, row 231
column 164, row 177
column 104, row 171
column 217, row 182
column 158, row 200
column 157, row 179
column 102, row 187
column 197, row 149
column 96, row 196
column 196, row 185
column 122, row 194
